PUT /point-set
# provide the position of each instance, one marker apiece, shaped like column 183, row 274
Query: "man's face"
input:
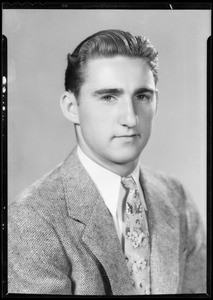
column 117, row 105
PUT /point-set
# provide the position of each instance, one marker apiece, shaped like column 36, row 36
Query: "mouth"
column 127, row 136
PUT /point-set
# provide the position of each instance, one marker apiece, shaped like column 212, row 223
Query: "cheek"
column 94, row 125
column 146, row 117
column 97, row 117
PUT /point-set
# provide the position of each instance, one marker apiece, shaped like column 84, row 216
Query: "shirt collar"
column 107, row 182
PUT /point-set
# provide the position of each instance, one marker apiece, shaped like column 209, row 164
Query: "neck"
column 120, row 169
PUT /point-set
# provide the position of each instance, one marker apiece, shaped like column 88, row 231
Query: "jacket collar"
column 85, row 204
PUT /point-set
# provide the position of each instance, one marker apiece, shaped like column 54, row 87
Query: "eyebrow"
column 118, row 92
column 113, row 91
column 144, row 90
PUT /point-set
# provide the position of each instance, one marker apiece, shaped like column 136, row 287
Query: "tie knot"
column 129, row 183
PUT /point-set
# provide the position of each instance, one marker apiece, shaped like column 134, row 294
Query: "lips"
column 127, row 135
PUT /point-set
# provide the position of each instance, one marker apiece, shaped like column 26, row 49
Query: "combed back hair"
column 107, row 43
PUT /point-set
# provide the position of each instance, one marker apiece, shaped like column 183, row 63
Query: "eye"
column 107, row 98
column 143, row 97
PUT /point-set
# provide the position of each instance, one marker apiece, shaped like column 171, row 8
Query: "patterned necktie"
column 136, row 239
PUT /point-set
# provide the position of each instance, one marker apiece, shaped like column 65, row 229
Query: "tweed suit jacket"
column 62, row 239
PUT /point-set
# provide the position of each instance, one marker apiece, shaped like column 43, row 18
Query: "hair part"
column 107, row 43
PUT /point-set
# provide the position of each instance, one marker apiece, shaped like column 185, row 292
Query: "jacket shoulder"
column 174, row 194
column 45, row 196
column 168, row 186
column 160, row 179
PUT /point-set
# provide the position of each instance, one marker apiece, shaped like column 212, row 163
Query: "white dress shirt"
column 109, row 186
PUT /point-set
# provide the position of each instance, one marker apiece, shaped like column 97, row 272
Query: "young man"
column 101, row 224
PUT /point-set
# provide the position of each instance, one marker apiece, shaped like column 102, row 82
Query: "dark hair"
column 107, row 43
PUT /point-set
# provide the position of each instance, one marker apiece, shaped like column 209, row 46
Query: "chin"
column 127, row 156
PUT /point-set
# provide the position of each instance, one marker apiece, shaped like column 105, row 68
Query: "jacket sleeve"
column 37, row 263
column 194, row 280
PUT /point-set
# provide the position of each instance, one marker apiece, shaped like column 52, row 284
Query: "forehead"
column 119, row 71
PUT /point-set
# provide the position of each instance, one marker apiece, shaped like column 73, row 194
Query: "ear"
column 69, row 107
column 157, row 97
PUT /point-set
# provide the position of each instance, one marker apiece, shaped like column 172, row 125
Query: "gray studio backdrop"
column 39, row 137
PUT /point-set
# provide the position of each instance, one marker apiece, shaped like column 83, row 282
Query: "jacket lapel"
column 164, row 235
column 100, row 236
column 85, row 204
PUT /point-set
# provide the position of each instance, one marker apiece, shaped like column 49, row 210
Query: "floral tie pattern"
column 136, row 239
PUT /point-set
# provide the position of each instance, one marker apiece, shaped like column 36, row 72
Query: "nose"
column 127, row 116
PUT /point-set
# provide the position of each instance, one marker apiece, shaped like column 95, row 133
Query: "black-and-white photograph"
column 106, row 151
